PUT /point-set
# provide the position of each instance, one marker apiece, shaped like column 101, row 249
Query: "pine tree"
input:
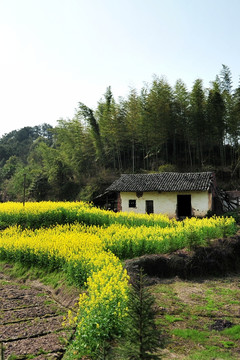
column 142, row 338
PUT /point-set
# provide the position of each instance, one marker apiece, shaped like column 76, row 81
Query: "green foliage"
column 212, row 352
column 54, row 278
column 233, row 332
column 192, row 334
column 172, row 318
column 167, row 168
column 235, row 214
column 141, row 337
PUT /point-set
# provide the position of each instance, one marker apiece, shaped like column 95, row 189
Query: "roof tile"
column 169, row 181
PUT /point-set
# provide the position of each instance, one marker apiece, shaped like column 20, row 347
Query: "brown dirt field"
column 31, row 319
column 194, row 314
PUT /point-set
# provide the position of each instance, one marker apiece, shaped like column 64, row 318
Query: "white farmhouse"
column 174, row 194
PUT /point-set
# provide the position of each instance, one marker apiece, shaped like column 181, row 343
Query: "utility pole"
column 24, row 188
column 133, row 164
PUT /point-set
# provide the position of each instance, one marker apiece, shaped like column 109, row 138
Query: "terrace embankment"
column 220, row 257
column 31, row 319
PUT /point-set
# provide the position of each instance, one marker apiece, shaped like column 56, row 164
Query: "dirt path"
column 31, row 319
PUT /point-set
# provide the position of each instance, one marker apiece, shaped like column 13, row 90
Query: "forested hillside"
column 159, row 128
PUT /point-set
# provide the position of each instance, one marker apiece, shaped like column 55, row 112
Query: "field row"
column 48, row 213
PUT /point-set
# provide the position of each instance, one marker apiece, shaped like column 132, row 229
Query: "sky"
column 57, row 53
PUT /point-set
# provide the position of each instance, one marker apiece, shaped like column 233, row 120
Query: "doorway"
column 184, row 206
column 149, row 207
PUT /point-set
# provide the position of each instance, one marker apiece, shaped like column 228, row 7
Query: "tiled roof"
column 169, row 181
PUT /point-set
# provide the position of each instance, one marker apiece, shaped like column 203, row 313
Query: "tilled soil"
column 31, row 320
column 194, row 315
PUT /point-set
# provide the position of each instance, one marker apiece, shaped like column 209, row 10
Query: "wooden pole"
column 133, row 163
column 24, row 188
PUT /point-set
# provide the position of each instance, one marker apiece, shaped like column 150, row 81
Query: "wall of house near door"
column 186, row 203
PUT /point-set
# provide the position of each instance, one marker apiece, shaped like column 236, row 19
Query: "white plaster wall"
column 166, row 203
column 201, row 203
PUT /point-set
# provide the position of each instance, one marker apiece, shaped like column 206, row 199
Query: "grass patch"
column 228, row 344
column 191, row 334
column 233, row 332
column 211, row 353
column 55, row 279
column 172, row 318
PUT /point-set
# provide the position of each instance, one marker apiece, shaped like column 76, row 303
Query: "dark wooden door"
column 149, row 207
column 184, row 206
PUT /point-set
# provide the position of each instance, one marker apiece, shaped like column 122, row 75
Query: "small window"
column 132, row 203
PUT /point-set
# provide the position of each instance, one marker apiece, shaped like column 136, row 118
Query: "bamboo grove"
column 158, row 128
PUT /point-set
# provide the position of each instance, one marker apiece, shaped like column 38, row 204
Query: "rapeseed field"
column 88, row 244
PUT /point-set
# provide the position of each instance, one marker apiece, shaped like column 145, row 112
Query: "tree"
column 40, row 188
column 226, row 91
column 234, row 125
column 112, row 129
column 56, row 170
column 144, row 129
column 133, row 117
column 180, row 124
column 13, row 188
column 142, row 338
column 225, row 79
column 159, row 106
column 198, row 130
column 234, row 129
column 88, row 115
column 216, row 123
